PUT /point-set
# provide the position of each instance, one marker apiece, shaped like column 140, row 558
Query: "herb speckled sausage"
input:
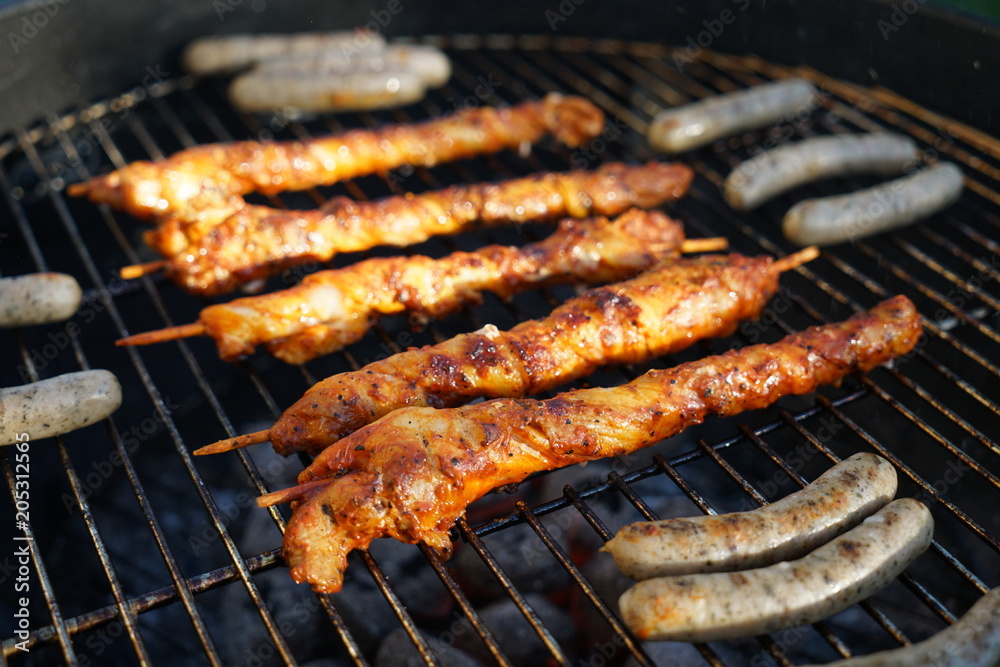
column 727, row 605
column 58, row 405
column 38, row 298
column 786, row 529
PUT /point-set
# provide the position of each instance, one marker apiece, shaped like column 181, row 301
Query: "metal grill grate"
column 141, row 553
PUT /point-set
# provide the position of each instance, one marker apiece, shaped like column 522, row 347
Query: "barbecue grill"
column 141, row 553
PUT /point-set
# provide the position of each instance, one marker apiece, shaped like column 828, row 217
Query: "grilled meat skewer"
column 258, row 241
column 331, row 309
column 206, row 181
column 661, row 311
column 412, row 474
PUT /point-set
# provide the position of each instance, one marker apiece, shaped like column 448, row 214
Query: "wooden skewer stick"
column 796, row 259
column 144, row 269
column 229, row 444
column 163, row 335
column 687, row 246
column 713, row 244
column 290, row 494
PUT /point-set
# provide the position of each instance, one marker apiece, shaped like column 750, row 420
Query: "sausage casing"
column 767, row 175
column 868, row 212
column 229, row 53
column 692, row 125
column 57, row 405
column 974, row 641
column 786, row 529
column 38, row 298
column 728, row 605
column 318, row 91
column 429, row 63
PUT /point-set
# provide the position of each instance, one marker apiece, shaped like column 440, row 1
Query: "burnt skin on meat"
column 205, row 182
column 412, row 474
column 659, row 312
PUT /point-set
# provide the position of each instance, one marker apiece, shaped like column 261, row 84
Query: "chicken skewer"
column 205, row 181
column 331, row 309
column 659, row 312
column 259, row 241
column 396, row 218
column 412, row 474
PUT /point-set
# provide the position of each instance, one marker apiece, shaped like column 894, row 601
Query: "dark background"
column 59, row 54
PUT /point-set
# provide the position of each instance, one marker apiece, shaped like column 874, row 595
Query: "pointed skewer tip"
column 230, row 444
column 144, row 269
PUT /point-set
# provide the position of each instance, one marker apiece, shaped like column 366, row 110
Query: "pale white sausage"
column 38, row 298
column 699, row 123
column 885, row 207
column 57, row 405
column 767, row 175
column 728, row 605
column 974, row 641
column 429, row 63
column 789, row 528
column 230, row 53
column 318, row 92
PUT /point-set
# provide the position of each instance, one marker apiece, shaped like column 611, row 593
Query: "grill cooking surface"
column 143, row 553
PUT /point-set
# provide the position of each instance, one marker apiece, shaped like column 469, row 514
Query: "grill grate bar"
column 475, row 620
column 72, row 230
column 398, row 609
column 557, row 550
column 127, row 615
column 515, row 595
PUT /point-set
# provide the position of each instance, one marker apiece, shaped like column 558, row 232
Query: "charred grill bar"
column 172, row 543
